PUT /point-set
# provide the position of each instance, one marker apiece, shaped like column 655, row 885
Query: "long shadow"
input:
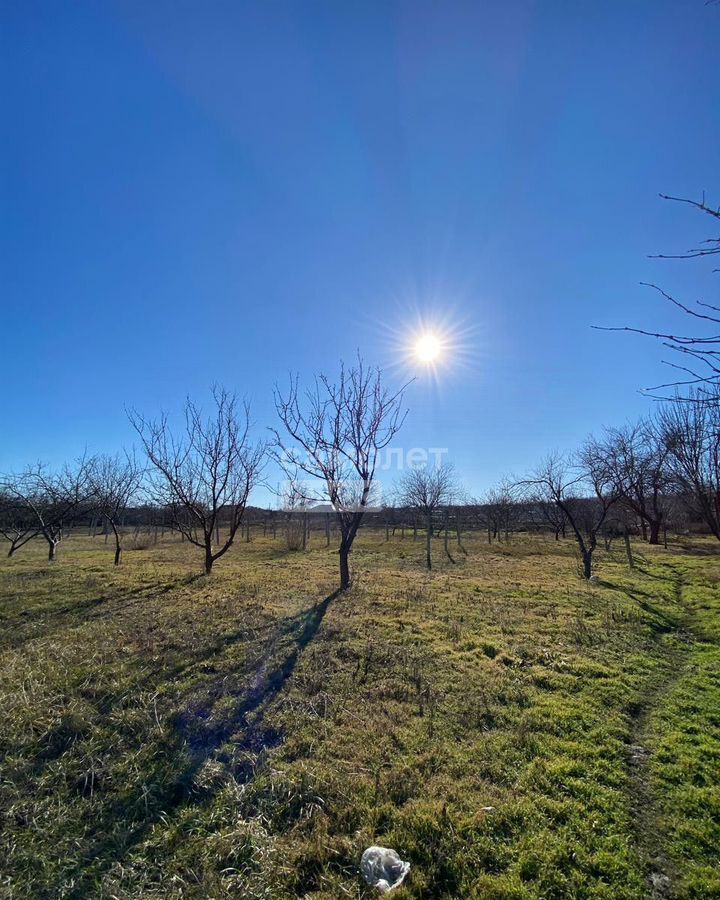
column 699, row 549
column 245, row 727
column 76, row 613
column 665, row 623
column 647, row 573
column 266, row 684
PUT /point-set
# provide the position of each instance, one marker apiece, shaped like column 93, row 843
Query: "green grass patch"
column 248, row 735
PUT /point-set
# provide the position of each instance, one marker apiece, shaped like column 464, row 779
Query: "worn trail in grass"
column 674, row 642
column 682, row 734
column 249, row 734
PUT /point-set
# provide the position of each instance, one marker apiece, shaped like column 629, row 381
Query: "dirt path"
column 674, row 644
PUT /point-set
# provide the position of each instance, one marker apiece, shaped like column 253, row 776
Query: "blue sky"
column 200, row 192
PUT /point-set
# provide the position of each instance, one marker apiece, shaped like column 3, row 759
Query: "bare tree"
column 53, row 499
column 295, row 506
column 500, row 507
column 621, row 520
column 428, row 490
column 115, row 481
column 691, row 433
column 582, row 490
column 462, row 502
column 636, row 457
column 543, row 512
column 332, row 438
column 18, row 524
column 204, row 472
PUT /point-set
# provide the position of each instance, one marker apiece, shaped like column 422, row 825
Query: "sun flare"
column 431, row 346
column 428, row 348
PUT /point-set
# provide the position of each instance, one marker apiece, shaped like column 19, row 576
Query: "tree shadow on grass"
column 645, row 571
column 663, row 623
column 197, row 736
column 24, row 627
column 695, row 549
column 204, row 737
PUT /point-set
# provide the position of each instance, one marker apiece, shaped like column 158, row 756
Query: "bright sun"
column 428, row 348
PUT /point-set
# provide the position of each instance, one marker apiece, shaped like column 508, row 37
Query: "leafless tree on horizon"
column 115, row 481
column 428, row 490
column 582, row 488
column 637, row 460
column 691, row 432
column 499, row 508
column 18, row 524
column 52, row 498
column 333, row 435
column 206, row 471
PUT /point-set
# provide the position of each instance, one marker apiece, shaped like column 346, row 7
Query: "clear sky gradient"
column 199, row 192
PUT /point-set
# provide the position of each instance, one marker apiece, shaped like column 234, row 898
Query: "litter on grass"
column 382, row 868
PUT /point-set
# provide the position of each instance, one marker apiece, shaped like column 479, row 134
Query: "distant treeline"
column 657, row 475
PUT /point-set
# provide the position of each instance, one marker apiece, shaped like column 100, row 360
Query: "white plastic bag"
column 382, row 868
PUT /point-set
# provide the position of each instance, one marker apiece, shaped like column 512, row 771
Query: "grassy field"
column 511, row 730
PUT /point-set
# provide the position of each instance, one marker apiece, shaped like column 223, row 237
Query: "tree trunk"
column 628, row 550
column 654, row 533
column 51, row 551
column 643, row 528
column 208, row 558
column 118, row 546
column 428, row 542
column 587, row 563
column 344, row 567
